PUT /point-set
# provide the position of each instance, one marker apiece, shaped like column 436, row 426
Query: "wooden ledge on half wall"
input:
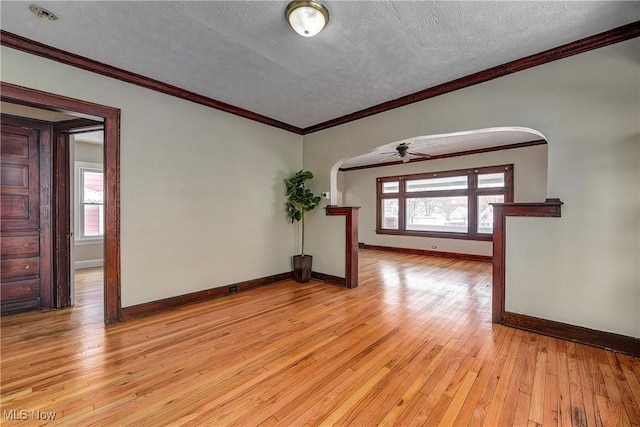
column 340, row 209
column 548, row 208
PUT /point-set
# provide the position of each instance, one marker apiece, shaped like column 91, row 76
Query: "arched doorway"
column 353, row 182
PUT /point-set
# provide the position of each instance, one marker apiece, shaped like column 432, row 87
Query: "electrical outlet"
column 233, row 289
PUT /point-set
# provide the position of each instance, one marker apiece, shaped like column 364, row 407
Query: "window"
column 453, row 204
column 89, row 216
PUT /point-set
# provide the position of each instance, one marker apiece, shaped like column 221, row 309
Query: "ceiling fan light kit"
column 307, row 17
column 42, row 13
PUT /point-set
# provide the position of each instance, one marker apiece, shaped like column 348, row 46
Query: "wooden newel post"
column 351, row 241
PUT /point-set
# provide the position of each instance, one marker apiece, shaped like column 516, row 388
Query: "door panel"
column 14, row 144
column 25, row 215
column 20, row 268
column 20, row 203
column 14, row 208
column 15, row 176
column 20, row 290
column 20, row 243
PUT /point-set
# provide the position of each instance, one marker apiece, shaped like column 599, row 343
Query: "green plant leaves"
column 293, row 213
column 299, row 198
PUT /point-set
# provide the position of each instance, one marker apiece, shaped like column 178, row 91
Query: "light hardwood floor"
column 412, row 345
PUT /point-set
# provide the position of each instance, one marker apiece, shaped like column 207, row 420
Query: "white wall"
column 202, row 190
column 202, row 193
column 87, row 253
column 359, row 189
column 583, row 268
column 87, row 151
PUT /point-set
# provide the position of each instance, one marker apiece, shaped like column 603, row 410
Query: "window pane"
column 390, row 187
column 491, row 180
column 389, row 214
column 485, row 212
column 444, row 214
column 93, row 187
column 435, row 184
column 93, row 220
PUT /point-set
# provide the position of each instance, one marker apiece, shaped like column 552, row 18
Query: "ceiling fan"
column 402, row 151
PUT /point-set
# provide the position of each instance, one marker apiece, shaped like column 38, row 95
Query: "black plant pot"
column 302, row 268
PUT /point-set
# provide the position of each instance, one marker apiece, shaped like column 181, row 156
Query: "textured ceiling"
column 436, row 145
column 243, row 53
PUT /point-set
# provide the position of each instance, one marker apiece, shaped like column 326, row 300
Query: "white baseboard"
column 89, row 263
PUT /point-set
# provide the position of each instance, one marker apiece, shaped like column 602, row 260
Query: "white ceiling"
column 95, row 137
column 243, row 53
column 33, row 113
column 436, row 145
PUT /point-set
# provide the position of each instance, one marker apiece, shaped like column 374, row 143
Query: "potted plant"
column 300, row 200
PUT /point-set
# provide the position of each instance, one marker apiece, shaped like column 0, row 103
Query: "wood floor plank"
column 618, row 413
column 526, row 383
column 624, row 388
column 430, row 363
column 511, row 399
column 412, row 345
column 471, row 412
column 536, row 410
column 586, row 381
column 632, row 380
column 551, row 401
column 376, row 404
column 564, row 386
column 497, row 402
column 521, row 415
column 345, row 408
column 422, row 404
column 488, row 392
column 578, row 411
column 458, row 400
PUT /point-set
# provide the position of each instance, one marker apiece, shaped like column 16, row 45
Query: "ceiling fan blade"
column 387, row 158
column 428, row 156
column 388, row 152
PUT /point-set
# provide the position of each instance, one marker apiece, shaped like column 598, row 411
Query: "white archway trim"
column 438, row 144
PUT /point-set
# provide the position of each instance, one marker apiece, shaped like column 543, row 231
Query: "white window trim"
column 79, row 239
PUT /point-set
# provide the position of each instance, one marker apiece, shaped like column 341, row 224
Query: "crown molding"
column 23, row 44
column 616, row 35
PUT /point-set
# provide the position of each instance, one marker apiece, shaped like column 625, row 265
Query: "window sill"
column 81, row 242
column 484, row 238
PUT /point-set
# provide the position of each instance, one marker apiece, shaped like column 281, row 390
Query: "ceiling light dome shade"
column 307, row 17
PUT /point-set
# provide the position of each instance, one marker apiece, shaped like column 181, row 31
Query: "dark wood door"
column 25, row 215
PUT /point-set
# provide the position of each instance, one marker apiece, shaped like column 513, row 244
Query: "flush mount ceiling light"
column 42, row 13
column 307, row 17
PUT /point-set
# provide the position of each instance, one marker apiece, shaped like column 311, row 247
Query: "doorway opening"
column 86, row 114
column 408, row 190
column 87, row 208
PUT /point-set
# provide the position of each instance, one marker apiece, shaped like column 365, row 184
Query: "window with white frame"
column 89, row 212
